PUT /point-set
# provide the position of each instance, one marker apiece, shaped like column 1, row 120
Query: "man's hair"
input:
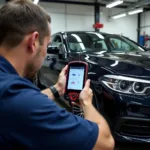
column 19, row 18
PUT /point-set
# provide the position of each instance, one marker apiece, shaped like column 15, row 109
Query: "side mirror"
column 62, row 51
column 148, row 49
column 53, row 50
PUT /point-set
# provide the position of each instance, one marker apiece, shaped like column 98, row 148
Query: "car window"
column 57, row 40
column 88, row 41
column 52, row 38
column 120, row 44
column 123, row 44
column 75, row 43
column 101, row 44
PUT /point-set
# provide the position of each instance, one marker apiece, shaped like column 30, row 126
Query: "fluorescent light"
column 98, row 34
column 115, row 64
column 82, row 46
column 119, row 16
column 136, row 11
column 115, row 3
column 140, row 48
column 77, row 38
column 35, row 1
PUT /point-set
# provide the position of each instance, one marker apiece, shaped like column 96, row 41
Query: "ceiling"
column 126, row 3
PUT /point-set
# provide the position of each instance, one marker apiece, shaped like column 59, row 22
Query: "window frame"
column 54, row 37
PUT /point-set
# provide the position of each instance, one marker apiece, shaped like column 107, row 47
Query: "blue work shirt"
column 29, row 120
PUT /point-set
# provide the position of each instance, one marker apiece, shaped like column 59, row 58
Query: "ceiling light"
column 136, row 11
column 119, row 16
column 35, row 1
column 114, row 3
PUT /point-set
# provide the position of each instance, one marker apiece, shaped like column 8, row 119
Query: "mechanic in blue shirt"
column 29, row 118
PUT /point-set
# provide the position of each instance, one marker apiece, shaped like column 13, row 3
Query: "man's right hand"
column 86, row 95
column 105, row 140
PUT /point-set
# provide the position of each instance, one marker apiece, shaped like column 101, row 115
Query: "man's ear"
column 33, row 41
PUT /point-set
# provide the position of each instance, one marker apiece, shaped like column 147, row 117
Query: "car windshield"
column 94, row 41
column 87, row 41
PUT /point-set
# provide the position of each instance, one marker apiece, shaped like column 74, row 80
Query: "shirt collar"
column 6, row 67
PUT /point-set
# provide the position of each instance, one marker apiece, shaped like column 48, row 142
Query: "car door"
column 52, row 65
column 73, row 48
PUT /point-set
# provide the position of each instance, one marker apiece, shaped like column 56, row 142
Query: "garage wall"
column 70, row 17
column 145, row 21
column 67, row 17
column 2, row 2
column 126, row 26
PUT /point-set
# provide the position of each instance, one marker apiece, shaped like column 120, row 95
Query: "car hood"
column 131, row 63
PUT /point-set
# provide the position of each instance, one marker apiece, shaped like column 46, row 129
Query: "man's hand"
column 105, row 140
column 86, row 95
column 60, row 85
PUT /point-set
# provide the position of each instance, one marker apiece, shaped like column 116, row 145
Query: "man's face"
column 36, row 62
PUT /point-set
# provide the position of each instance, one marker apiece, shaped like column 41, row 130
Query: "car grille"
column 136, row 128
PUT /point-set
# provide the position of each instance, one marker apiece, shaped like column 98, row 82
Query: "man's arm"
column 60, row 85
column 105, row 140
column 41, row 123
column 49, row 93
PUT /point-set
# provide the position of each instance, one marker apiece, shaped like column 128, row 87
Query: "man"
column 29, row 119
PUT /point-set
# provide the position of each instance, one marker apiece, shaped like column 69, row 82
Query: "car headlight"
column 126, row 85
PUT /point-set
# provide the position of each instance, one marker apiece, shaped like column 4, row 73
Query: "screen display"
column 76, row 78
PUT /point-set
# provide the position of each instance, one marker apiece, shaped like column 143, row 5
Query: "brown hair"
column 19, row 18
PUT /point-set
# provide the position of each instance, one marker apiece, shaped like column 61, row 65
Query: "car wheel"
column 76, row 110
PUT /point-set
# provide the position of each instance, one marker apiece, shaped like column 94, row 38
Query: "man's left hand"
column 61, row 83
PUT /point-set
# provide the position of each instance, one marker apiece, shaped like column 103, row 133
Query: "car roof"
column 77, row 32
column 70, row 32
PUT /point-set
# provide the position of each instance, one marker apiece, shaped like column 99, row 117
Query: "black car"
column 119, row 70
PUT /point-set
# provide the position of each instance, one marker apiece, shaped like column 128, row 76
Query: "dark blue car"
column 119, row 70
